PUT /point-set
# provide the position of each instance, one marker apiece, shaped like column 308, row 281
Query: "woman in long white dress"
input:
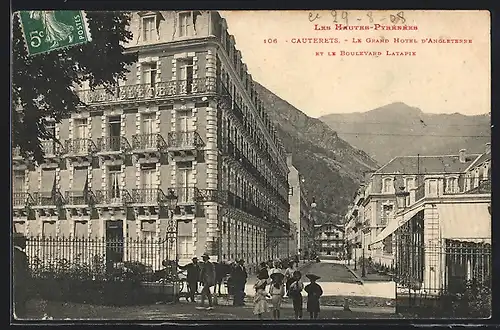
column 260, row 303
column 55, row 31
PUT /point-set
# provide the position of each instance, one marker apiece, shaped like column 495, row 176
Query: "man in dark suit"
column 21, row 276
column 192, row 278
column 239, row 279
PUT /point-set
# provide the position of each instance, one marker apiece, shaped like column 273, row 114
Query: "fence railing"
column 113, row 143
column 149, row 91
column 185, row 195
column 48, row 198
column 185, row 140
column 80, row 146
column 77, row 197
column 88, row 258
column 148, row 196
column 22, row 199
column 52, row 148
column 148, row 141
column 113, row 196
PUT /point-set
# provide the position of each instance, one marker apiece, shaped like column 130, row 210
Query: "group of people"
column 210, row 274
column 288, row 283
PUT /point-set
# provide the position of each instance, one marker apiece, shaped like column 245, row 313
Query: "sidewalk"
column 186, row 311
column 369, row 277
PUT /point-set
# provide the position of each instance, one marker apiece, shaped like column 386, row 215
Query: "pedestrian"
column 21, row 276
column 277, row 292
column 192, row 278
column 263, row 271
column 207, row 276
column 222, row 269
column 276, row 268
column 239, row 276
column 295, row 293
column 289, row 276
column 260, row 302
column 314, row 292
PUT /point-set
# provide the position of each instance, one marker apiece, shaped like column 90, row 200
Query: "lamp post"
column 313, row 212
column 172, row 226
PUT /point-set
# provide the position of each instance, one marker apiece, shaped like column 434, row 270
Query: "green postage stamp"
column 48, row 30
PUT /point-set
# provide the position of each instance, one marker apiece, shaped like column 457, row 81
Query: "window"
column 114, row 173
column 386, row 213
column 148, row 124
column 114, row 127
column 80, row 135
column 148, row 248
column 186, row 73
column 451, row 185
column 148, row 27
column 433, row 188
column 387, row 186
column 19, row 180
column 185, row 182
column 409, row 184
column 184, row 24
column 148, row 194
column 149, row 71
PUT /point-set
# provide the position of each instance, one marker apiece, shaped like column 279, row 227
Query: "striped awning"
column 470, row 222
column 394, row 224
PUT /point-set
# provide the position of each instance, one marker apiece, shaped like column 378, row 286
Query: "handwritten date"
column 345, row 16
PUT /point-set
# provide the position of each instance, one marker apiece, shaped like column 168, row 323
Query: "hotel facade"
column 186, row 121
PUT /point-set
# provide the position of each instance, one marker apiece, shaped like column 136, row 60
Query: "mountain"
column 399, row 130
column 331, row 167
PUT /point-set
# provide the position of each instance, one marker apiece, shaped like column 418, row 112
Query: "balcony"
column 21, row 200
column 145, row 92
column 148, row 196
column 145, row 145
column 484, row 187
column 112, row 145
column 52, row 148
column 113, row 197
column 48, row 203
column 75, row 197
column 80, row 150
column 184, row 144
column 212, row 195
column 420, row 192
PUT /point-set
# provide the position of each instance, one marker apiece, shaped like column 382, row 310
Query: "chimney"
column 289, row 159
column 488, row 147
column 461, row 156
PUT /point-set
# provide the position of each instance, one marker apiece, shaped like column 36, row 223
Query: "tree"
column 42, row 85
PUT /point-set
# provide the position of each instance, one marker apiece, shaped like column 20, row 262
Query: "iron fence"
column 441, row 277
column 97, row 258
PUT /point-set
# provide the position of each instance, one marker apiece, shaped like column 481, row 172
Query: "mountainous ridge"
column 397, row 129
column 332, row 169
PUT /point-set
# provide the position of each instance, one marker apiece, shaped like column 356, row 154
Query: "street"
column 337, row 283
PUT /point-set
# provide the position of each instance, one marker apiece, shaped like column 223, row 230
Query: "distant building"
column 330, row 239
column 187, row 119
column 299, row 208
column 353, row 223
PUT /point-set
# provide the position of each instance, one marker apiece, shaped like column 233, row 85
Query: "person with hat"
column 21, row 276
column 260, row 303
column 295, row 292
column 207, row 277
column 192, row 278
column 239, row 277
column 314, row 292
column 277, row 292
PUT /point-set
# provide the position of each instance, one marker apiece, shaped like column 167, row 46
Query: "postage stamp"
column 48, row 30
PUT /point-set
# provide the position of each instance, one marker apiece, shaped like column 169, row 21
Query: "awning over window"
column 395, row 224
column 465, row 222
column 79, row 181
column 48, row 182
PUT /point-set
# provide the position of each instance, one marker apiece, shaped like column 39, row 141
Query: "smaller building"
column 330, row 240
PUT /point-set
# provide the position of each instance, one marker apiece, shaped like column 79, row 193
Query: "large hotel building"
column 186, row 120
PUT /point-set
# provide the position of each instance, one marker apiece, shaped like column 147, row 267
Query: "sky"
column 440, row 78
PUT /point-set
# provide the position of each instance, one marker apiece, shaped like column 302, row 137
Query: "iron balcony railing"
column 185, row 140
column 80, row 146
column 113, row 196
column 484, row 187
column 52, row 148
column 21, row 199
column 420, row 193
column 48, row 198
column 212, row 195
column 80, row 197
column 149, row 91
column 148, row 196
column 152, row 141
column 186, row 195
column 113, row 143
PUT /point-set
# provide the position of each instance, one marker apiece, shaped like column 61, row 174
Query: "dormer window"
column 184, row 24
column 148, row 28
column 387, row 185
column 451, row 185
